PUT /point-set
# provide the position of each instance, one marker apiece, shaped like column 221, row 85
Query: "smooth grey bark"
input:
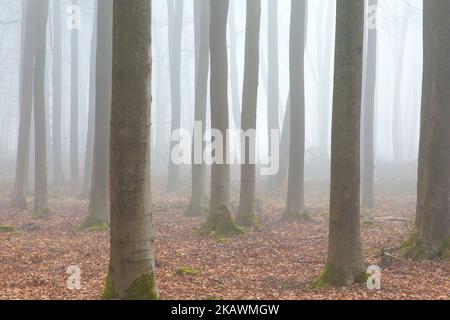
column 284, row 149
column 88, row 159
column 74, row 107
column 132, row 270
column 368, row 118
column 324, row 67
column 295, row 207
column 40, row 204
column 220, row 221
column 26, row 105
column 397, row 126
column 57, row 95
column 345, row 263
column 99, row 209
column 234, row 73
column 175, row 12
column 201, row 22
column 433, row 214
column 247, row 214
column 273, row 78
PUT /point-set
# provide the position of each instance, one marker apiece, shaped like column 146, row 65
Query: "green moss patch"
column 414, row 249
column 330, row 277
column 187, row 271
column 8, row 229
column 109, row 293
column 221, row 226
column 249, row 221
column 93, row 225
column 143, row 288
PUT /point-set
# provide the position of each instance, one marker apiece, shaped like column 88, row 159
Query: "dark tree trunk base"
column 249, row 221
column 332, row 277
column 415, row 249
column 221, row 225
column 40, row 213
column 94, row 224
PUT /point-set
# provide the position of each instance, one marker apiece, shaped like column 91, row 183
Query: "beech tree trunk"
column 345, row 264
column 368, row 126
column 220, row 221
column 74, row 109
column 87, row 177
column 26, row 105
column 202, row 21
column 40, row 205
column 273, row 89
column 295, row 208
column 99, row 194
column 433, row 214
column 247, row 214
column 132, row 271
column 175, row 12
column 234, row 73
column 57, row 95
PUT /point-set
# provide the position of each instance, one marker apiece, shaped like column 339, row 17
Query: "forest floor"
column 279, row 262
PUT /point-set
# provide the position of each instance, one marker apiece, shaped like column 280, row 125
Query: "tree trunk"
column 433, row 214
column 175, row 12
column 220, row 221
column 247, row 215
column 40, row 205
column 26, row 104
column 368, row 118
column 132, row 270
column 74, row 110
column 345, row 264
column 234, row 73
column 87, row 177
column 57, row 95
column 202, row 21
column 99, row 194
column 273, row 92
column 324, row 94
column 284, row 148
column 397, row 120
column 295, row 208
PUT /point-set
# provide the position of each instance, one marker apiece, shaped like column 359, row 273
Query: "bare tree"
column 88, row 157
column 99, row 192
column 220, row 221
column 295, row 208
column 202, row 21
column 26, row 105
column 132, row 270
column 433, row 211
column 345, row 263
column 57, row 94
column 40, row 205
column 247, row 215
column 175, row 13
column 368, row 116
column 74, row 107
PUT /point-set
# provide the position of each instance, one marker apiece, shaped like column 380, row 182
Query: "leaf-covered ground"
column 279, row 262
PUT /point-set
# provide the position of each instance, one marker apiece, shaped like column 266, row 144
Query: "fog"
column 399, row 60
